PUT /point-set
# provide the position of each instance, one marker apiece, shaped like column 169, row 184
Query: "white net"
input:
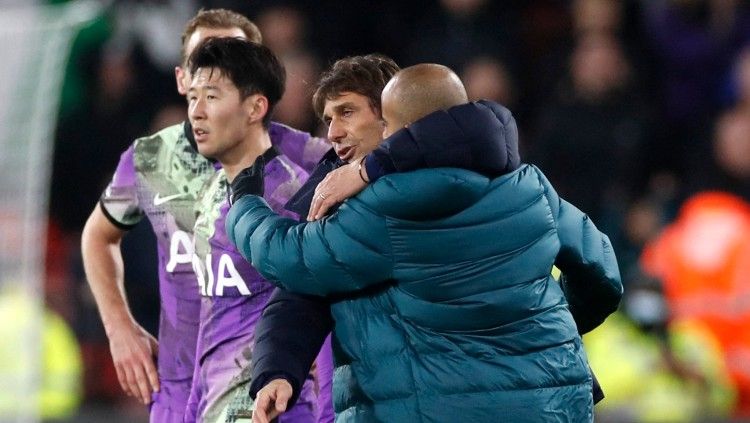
column 35, row 43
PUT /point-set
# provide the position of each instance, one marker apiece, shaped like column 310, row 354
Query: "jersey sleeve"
column 119, row 202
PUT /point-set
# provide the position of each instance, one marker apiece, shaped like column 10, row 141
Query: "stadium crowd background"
column 630, row 107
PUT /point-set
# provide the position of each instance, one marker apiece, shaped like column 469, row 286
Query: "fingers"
column 324, row 206
column 262, row 405
column 321, row 195
column 140, row 385
column 152, row 376
column 138, row 379
column 282, row 399
column 133, row 353
column 122, row 378
column 131, row 384
column 272, row 400
column 336, row 187
column 319, row 208
column 313, row 207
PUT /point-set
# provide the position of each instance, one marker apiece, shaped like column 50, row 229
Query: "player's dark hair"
column 251, row 67
column 364, row 75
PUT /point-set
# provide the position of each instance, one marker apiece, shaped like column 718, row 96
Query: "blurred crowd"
column 637, row 111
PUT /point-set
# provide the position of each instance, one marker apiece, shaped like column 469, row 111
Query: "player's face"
column 201, row 33
column 220, row 119
column 354, row 128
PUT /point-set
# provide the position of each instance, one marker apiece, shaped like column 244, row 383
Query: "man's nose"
column 196, row 110
column 336, row 131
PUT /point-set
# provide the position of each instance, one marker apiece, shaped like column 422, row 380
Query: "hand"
column 248, row 182
column 134, row 353
column 272, row 400
column 337, row 186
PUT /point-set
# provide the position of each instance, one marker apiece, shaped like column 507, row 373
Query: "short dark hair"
column 251, row 67
column 219, row 19
column 364, row 75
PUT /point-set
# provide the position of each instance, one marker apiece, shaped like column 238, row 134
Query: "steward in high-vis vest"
column 60, row 372
column 703, row 260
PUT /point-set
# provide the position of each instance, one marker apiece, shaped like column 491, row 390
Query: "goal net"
column 35, row 41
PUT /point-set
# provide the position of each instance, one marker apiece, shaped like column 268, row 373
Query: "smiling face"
column 354, row 128
column 221, row 120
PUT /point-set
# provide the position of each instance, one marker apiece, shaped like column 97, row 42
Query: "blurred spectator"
column 89, row 140
column 694, row 42
column 459, row 30
column 488, row 78
column 545, row 34
column 284, row 31
column 592, row 139
column 703, row 260
column 654, row 371
column 740, row 81
column 59, row 372
column 644, row 219
column 597, row 16
column 295, row 107
column 151, row 24
column 732, row 147
column 724, row 163
column 552, row 29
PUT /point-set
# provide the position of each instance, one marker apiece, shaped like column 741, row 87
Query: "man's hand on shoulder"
column 272, row 400
column 340, row 184
column 134, row 353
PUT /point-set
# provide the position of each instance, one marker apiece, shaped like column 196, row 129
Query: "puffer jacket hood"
column 481, row 136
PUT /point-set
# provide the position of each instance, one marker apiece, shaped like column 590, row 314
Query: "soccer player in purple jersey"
column 235, row 86
column 159, row 177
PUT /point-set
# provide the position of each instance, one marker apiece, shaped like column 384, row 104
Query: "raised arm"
column 133, row 348
column 590, row 274
column 430, row 143
column 346, row 252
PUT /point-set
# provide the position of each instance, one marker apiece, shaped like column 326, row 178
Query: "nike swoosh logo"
column 158, row 200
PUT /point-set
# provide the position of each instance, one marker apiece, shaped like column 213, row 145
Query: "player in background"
column 159, row 177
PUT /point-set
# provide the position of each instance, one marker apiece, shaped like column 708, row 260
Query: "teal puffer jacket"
column 469, row 325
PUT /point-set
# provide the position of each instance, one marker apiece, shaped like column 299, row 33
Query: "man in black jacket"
column 347, row 99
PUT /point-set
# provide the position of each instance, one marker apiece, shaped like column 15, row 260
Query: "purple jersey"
column 234, row 295
column 298, row 146
column 159, row 177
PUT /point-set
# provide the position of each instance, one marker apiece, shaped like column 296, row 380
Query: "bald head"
column 417, row 91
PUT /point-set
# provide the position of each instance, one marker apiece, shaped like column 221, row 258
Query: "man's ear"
column 179, row 75
column 257, row 107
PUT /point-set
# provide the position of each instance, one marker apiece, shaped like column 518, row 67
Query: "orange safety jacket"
column 703, row 261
